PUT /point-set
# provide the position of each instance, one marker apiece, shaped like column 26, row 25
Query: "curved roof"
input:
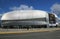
column 24, row 14
column 55, row 15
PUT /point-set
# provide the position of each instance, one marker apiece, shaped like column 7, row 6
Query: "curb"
column 28, row 31
column 20, row 32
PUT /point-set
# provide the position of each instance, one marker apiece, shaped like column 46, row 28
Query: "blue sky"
column 37, row 4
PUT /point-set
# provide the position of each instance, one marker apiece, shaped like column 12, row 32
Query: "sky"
column 10, row 5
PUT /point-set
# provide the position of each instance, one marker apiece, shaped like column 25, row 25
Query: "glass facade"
column 52, row 19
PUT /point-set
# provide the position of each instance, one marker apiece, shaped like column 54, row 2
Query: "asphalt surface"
column 34, row 35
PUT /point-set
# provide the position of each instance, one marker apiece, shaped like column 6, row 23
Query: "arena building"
column 28, row 18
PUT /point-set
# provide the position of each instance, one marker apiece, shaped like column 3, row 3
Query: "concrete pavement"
column 21, row 31
column 35, row 35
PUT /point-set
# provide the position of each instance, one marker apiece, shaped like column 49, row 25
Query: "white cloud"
column 22, row 7
column 56, row 9
column 0, row 16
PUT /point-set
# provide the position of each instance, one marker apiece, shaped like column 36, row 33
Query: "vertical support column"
column 47, row 19
column 18, row 27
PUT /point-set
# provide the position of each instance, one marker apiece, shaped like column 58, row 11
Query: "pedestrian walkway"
column 18, row 31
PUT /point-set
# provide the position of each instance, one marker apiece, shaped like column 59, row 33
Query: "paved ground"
column 34, row 35
column 19, row 31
